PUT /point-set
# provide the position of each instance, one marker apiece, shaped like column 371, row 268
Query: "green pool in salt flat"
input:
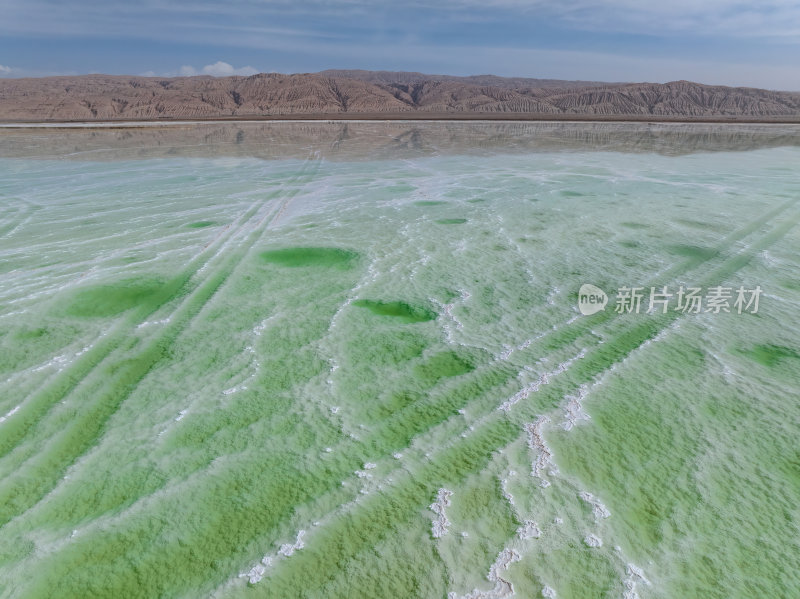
column 346, row 360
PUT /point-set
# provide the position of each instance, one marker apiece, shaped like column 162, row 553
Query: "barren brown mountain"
column 105, row 97
column 389, row 77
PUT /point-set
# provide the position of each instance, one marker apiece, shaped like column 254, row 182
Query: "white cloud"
column 218, row 69
column 5, row 70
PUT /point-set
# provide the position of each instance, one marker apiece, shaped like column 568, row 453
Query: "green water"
column 346, row 360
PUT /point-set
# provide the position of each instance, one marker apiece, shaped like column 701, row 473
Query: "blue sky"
column 728, row 42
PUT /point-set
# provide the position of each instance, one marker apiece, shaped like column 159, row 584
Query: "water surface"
column 346, row 360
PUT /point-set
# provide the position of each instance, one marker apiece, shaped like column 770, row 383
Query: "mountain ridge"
column 120, row 97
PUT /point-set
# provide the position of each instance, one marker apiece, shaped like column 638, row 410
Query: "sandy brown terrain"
column 366, row 94
column 406, row 77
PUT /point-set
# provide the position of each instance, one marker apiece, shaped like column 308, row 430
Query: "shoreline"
column 404, row 117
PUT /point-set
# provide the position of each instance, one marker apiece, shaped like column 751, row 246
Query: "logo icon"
column 591, row 299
